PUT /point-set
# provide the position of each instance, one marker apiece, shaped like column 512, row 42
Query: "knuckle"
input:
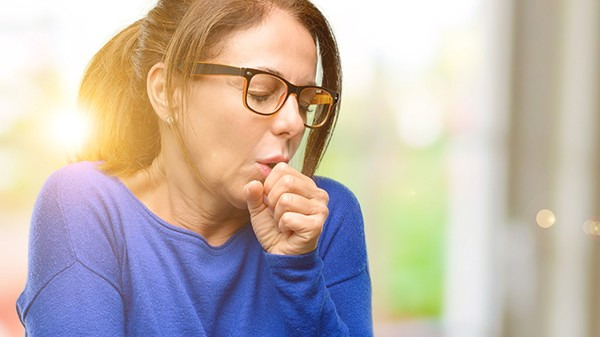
column 324, row 206
column 314, row 222
column 325, row 213
column 286, row 217
column 317, row 226
column 320, row 208
column 288, row 181
column 286, row 199
column 323, row 195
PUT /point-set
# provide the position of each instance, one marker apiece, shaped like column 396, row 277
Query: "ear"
column 157, row 92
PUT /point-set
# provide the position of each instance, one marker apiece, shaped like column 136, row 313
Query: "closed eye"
column 259, row 97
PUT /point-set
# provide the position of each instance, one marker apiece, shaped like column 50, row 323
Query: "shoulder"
column 341, row 198
column 67, row 229
column 76, row 217
column 64, row 188
column 78, row 176
column 345, row 220
column 82, row 187
column 345, row 215
column 342, row 245
column 86, row 197
column 78, row 196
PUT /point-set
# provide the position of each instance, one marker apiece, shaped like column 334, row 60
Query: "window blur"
column 468, row 131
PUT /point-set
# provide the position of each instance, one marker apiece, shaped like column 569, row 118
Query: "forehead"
column 279, row 43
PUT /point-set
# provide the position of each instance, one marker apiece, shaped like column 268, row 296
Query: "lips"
column 271, row 161
column 265, row 170
column 267, row 164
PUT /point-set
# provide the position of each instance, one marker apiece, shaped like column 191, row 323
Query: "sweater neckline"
column 181, row 233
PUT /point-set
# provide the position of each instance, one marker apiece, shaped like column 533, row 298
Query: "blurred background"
column 469, row 132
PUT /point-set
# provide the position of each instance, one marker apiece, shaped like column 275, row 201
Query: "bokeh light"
column 545, row 218
column 592, row 227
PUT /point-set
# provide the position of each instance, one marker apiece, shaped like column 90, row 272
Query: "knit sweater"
column 102, row 264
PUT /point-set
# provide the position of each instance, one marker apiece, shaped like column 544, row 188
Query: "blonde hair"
column 179, row 32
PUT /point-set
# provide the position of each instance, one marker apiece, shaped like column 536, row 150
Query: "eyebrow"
column 273, row 71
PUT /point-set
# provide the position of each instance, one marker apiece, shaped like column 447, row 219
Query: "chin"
column 238, row 200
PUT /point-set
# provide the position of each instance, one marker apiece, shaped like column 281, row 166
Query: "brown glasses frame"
column 248, row 73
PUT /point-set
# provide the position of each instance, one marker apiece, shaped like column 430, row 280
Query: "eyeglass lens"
column 267, row 93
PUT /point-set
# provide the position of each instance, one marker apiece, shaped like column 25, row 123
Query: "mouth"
column 268, row 164
column 274, row 160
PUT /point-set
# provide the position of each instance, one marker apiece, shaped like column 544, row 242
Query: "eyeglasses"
column 265, row 93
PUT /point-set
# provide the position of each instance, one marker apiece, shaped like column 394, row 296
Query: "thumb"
column 253, row 191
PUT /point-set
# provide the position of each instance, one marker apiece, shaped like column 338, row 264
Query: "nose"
column 288, row 120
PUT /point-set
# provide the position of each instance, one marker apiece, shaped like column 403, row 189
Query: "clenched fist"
column 287, row 212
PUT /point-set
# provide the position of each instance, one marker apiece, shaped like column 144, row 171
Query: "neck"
column 176, row 196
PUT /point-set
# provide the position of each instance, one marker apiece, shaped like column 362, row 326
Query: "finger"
column 289, row 202
column 253, row 192
column 292, row 184
column 280, row 170
column 307, row 228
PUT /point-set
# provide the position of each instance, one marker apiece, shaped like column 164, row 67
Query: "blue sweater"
column 102, row 264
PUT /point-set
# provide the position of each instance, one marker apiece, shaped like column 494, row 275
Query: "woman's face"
column 231, row 145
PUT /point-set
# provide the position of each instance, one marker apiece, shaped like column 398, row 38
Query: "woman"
column 183, row 217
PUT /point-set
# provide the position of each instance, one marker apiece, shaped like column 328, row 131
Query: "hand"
column 287, row 212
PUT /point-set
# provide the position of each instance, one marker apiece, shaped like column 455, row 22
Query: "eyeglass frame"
column 201, row 68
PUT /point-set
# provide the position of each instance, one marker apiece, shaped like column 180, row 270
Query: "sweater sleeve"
column 65, row 295
column 328, row 292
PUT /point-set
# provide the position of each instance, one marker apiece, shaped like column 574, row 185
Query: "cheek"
column 219, row 127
